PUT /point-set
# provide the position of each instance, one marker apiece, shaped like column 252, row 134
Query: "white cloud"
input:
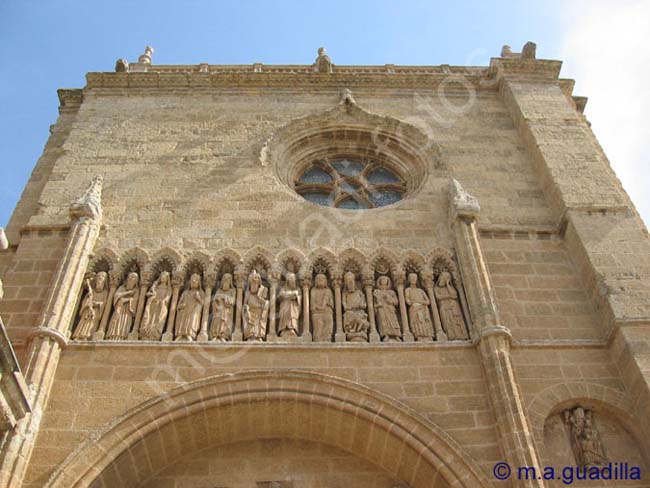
column 606, row 49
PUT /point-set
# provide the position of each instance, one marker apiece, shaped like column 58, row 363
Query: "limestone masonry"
column 330, row 276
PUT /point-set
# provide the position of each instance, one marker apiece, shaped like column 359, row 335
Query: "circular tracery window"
column 350, row 183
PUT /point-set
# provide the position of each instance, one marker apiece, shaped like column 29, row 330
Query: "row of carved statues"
column 263, row 305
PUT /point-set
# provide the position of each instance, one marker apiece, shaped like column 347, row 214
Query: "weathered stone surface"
column 321, row 346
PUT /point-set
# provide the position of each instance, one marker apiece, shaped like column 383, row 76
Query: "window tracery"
column 351, row 183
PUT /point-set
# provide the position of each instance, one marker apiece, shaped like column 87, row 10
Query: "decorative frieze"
column 262, row 297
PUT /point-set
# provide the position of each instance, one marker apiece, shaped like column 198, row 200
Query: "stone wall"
column 554, row 269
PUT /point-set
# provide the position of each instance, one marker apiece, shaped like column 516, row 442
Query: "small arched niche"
column 584, row 434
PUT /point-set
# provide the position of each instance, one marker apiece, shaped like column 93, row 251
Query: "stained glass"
column 381, row 176
column 384, row 197
column 315, row 175
column 352, row 204
column 349, row 183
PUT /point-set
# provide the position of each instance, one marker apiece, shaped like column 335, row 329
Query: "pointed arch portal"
column 270, row 404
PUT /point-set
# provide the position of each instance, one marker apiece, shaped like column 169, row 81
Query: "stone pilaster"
column 50, row 336
column 493, row 338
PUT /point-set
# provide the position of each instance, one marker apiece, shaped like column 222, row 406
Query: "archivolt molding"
column 247, row 406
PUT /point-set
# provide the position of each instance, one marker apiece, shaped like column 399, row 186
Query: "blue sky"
column 45, row 45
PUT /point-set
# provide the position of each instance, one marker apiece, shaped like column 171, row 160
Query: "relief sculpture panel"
column 321, row 297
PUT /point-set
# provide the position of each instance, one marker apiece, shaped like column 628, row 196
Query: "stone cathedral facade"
column 324, row 276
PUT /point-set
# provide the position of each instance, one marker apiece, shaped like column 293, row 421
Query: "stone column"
column 272, row 332
column 427, row 281
column 54, row 326
column 306, row 328
column 113, row 282
column 240, row 281
column 400, row 279
column 493, row 338
column 178, row 278
column 368, row 282
column 145, row 282
column 339, row 334
column 208, row 284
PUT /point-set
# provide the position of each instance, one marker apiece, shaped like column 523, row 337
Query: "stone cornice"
column 388, row 76
column 70, row 99
column 539, row 69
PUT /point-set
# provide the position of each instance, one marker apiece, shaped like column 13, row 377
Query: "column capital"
column 53, row 334
column 494, row 331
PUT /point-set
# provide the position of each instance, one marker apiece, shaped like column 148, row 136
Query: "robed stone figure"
column 125, row 303
column 255, row 309
column 155, row 312
column 190, row 306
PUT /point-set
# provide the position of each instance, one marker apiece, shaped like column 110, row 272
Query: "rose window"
column 350, row 183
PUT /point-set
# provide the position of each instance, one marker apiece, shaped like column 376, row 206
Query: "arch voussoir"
column 257, row 404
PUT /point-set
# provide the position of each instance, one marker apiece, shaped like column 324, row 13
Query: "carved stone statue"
column 386, row 303
column 418, row 305
column 529, row 50
column 121, row 66
column 451, row 315
column 322, row 310
column 323, row 63
column 190, row 306
column 91, row 308
column 347, row 98
column 223, row 305
column 155, row 312
column 256, row 309
column 585, row 441
column 355, row 318
column 290, row 302
column 125, row 303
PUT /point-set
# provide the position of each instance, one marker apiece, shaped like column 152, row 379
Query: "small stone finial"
column 146, row 57
column 529, row 50
column 89, row 205
column 461, row 203
column 121, row 65
column 323, row 63
column 347, row 98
